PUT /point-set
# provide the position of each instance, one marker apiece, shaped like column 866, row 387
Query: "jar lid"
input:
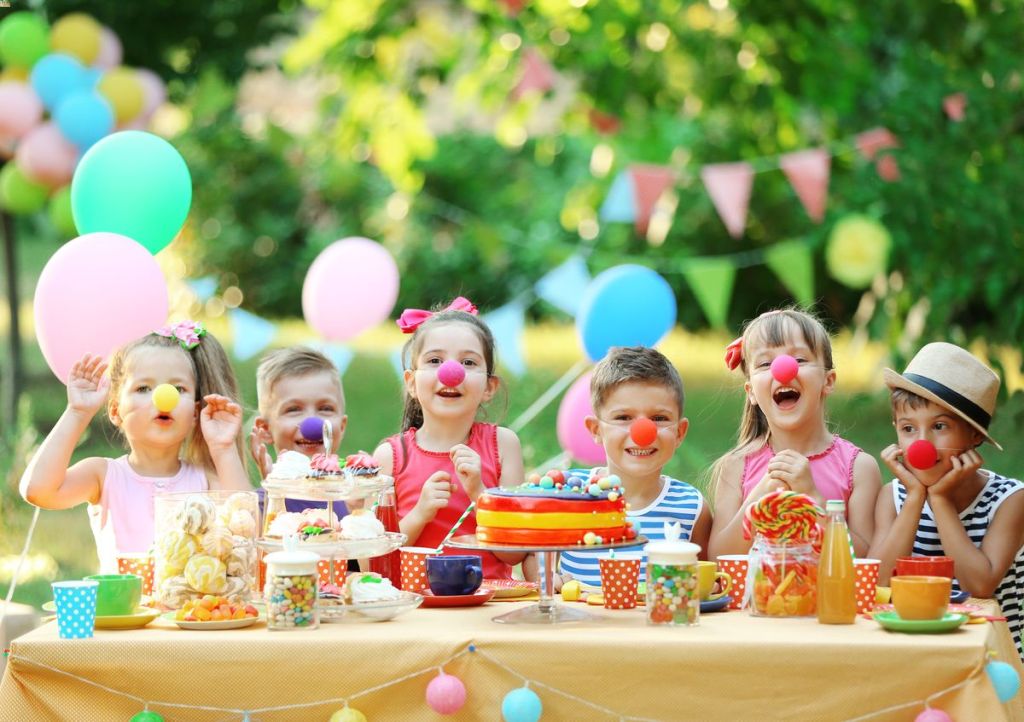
column 672, row 552
column 291, row 560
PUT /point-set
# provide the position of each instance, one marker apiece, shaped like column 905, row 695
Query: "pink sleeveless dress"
column 122, row 521
column 832, row 469
column 412, row 466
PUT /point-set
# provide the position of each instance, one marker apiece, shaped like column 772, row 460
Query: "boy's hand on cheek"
column 220, row 421
column 892, row 456
column 434, row 495
column 963, row 466
column 468, row 470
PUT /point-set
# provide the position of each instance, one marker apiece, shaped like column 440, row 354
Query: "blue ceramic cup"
column 452, row 575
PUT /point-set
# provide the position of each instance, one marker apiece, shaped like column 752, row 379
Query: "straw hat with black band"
column 951, row 377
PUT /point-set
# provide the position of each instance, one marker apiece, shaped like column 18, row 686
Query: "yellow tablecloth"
column 731, row 667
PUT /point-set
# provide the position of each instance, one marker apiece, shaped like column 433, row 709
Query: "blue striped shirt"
column 677, row 502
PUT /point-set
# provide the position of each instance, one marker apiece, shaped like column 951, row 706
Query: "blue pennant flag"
column 396, row 363
column 204, row 287
column 251, row 334
column 341, row 356
column 506, row 323
column 563, row 286
column 620, row 204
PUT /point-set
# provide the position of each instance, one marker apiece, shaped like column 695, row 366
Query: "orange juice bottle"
column 837, row 599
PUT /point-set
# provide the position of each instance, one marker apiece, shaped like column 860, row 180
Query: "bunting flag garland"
column 506, row 324
column 649, row 182
column 203, row 288
column 791, row 261
column 729, row 185
column 538, row 75
column 808, row 172
column 954, row 105
column 872, row 142
column 250, row 333
column 711, row 280
column 563, row 286
column 339, row 354
column 619, row 205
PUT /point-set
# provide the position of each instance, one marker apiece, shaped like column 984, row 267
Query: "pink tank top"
column 412, row 466
column 832, row 469
column 122, row 521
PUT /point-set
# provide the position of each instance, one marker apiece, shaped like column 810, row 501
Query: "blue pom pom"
column 521, row 705
column 1004, row 678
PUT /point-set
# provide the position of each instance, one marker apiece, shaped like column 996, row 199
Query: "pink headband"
column 186, row 332
column 411, row 318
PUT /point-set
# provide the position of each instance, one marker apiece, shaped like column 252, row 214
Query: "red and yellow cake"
column 554, row 514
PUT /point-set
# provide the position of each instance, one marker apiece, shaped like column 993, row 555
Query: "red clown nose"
column 643, row 431
column 451, row 373
column 922, row 454
column 785, row 368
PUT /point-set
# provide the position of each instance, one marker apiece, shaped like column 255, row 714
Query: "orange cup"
column 323, row 568
column 925, row 566
column 619, row 579
column 735, row 565
column 918, row 597
column 140, row 564
column 865, row 583
column 414, row 568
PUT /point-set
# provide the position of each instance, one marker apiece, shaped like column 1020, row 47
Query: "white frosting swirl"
column 290, row 465
column 370, row 588
column 361, row 524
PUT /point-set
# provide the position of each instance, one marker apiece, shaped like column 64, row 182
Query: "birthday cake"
column 555, row 510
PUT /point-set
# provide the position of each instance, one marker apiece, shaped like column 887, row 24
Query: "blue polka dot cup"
column 76, row 608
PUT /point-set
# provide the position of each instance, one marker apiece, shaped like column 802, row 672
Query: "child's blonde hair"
column 213, row 374
column 290, row 363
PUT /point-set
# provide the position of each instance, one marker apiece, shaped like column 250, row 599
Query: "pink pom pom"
column 922, row 454
column 643, row 431
column 451, row 373
column 933, row 715
column 785, row 368
column 446, row 694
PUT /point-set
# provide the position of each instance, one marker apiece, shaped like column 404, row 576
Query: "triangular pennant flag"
column 250, row 333
column 604, row 123
column 807, row 171
column 711, row 280
column 955, row 105
column 538, row 75
column 729, row 186
column 791, row 262
column 564, row 285
column 203, row 288
column 870, row 142
column 506, row 324
column 340, row 355
column 887, row 168
column 649, row 182
column 395, row 357
column 620, row 204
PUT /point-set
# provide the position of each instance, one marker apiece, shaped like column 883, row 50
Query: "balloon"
column 132, row 183
column 147, row 715
column 784, row 368
column 60, row 213
column 625, row 306
column 521, row 705
column 348, row 714
column 24, row 38
column 84, row 117
column 921, row 454
column 857, row 251
column 46, row 156
column 339, row 311
column 446, row 694
column 572, row 434
column 1004, row 678
column 14, row 73
column 154, row 90
column 312, row 428
column 55, row 77
column 643, row 431
column 124, row 92
column 451, row 373
column 110, row 52
column 18, row 194
column 79, row 35
column 96, row 293
column 22, row 109
column 933, row 715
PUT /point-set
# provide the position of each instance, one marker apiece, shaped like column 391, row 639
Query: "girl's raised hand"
column 764, row 487
column 87, row 386
column 468, row 470
column 220, row 421
column 434, row 495
column 892, row 457
column 259, row 452
column 793, row 469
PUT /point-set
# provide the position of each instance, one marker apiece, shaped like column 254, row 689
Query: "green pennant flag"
column 711, row 280
column 791, row 262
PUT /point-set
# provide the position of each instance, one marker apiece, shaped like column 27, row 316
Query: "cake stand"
column 547, row 610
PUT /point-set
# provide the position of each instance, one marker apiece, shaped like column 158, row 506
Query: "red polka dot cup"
column 735, row 565
column 865, row 583
column 619, row 579
column 140, row 565
column 332, row 575
column 414, row 568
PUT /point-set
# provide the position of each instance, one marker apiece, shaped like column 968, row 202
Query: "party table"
column 731, row 667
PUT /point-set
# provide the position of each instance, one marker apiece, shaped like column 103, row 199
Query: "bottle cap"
column 835, row 505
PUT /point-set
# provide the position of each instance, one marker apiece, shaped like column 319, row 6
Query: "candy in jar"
column 673, row 596
column 785, row 579
column 290, row 590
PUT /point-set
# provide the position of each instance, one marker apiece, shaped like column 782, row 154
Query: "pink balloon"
column 933, row 715
column 20, row 109
column 46, row 156
column 154, row 91
column 446, row 694
column 350, row 287
column 572, row 433
column 96, row 293
column 110, row 50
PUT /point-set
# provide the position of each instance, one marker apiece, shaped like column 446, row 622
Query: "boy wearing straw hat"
column 942, row 503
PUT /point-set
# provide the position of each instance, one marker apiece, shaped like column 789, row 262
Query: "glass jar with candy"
column 785, row 578
column 290, row 591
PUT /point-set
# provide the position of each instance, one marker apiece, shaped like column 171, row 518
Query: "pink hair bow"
column 734, row 354
column 187, row 333
column 411, row 318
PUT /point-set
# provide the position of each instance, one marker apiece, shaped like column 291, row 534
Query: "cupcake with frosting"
column 362, row 468
column 290, row 466
column 361, row 524
column 361, row 588
column 325, row 467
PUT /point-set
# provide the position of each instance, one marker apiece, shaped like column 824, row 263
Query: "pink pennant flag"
column 537, row 74
column 955, row 105
column 729, row 186
column 807, row 171
column 512, row 7
column 870, row 142
column 604, row 123
column 887, row 168
column 649, row 182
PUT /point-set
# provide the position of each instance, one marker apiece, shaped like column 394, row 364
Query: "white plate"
column 210, row 626
column 379, row 611
column 344, row 548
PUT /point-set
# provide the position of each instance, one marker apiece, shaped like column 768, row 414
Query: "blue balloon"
column 1004, row 678
column 625, row 306
column 521, row 705
column 84, row 117
column 55, row 77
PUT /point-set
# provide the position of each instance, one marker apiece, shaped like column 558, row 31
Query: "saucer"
column 715, row 605
column 136, row 620
column 480, row 596
column 893, row 622
column 510, row 588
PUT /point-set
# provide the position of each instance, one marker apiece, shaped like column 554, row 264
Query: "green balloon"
column 19, row 195
column 60, row 213
column 146, row 716
column 135, row 184
column 24, row 38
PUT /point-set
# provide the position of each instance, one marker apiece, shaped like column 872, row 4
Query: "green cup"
column 118, row 594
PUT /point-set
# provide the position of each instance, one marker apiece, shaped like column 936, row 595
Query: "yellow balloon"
column 121, row 87
column 76, row 34
column 14, row 73
column 348, row 714
column 857, row 250
column 165, row 398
